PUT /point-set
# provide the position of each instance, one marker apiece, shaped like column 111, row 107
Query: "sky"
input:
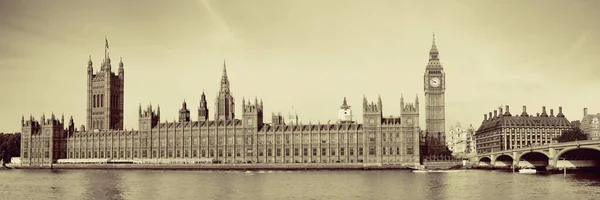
column 306, row 55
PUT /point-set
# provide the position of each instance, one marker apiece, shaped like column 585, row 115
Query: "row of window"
column 230, row 152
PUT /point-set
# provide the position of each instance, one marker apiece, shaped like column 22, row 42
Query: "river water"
column 147, row 184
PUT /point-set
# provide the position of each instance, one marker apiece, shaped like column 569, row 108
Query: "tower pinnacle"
column 434, row 49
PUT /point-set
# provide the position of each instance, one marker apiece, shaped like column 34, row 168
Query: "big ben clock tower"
column 435, row 114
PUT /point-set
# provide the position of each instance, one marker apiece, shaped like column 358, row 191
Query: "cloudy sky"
column 304, row 54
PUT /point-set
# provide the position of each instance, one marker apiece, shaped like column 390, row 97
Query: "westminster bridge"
column 575, row 154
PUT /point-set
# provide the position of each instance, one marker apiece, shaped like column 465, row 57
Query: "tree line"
column 10, row 146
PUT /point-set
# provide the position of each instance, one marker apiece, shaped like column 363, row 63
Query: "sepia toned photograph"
column 299, row 99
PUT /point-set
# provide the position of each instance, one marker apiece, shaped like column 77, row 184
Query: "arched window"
column 93, row 101
column 102, row 100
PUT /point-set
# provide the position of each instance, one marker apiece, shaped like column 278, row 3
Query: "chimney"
column 500, row 111
column 537, row 114
column 544, row 114
column 585, row 112
column 544, row 109
column 495, row 113
column 507, row 110
column 484, row 117
column 551, row 112
column 560, row 114
column 524, row 114
column 490, row 114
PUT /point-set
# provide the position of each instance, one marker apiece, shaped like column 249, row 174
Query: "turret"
column 203, row 109
column 90, row 68
column 184, row 113
column 71, row 127
column 345, row 113
column 417, row 102
column 121, row 69
column 252, row 114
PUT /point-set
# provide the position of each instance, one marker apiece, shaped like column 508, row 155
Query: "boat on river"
column 422, row 169
column 527, row 170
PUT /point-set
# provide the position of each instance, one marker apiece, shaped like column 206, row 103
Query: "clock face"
column 434, row 82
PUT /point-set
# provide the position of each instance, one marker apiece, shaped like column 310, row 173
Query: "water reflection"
column 103, row 184
column 131, row 184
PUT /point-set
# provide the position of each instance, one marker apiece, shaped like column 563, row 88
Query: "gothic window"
column 360, row 151
column 351, row 151
column 102, row 100
column 342, row 151
column 185, row 154
column 305, row 153
column 170, row 153
column 323, row 151
column 287, row 152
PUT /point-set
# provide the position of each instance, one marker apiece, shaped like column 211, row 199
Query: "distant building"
column 503, row 131
column 459, row 140
column 590, row 125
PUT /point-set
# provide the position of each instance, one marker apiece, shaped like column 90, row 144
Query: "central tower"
column 225, row 102
column 435, row 110
column 105, row 92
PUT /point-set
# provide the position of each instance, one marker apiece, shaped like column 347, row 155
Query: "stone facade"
column 503, row 131
column 435, row 110
column 226, row 139
column 590, row 125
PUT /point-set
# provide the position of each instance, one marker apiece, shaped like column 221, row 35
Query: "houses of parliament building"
column 225, row 137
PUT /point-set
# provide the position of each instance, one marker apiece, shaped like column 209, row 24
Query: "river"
column 148, row 184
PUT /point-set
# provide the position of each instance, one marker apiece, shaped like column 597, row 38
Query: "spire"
column 433, row 53
column 106, row 48
column 121, row 63
column 224, row 80
column 90, row 62
column 344, row 104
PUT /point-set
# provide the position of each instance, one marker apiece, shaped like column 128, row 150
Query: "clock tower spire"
column 435, row 110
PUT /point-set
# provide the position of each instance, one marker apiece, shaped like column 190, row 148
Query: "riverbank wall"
column 244, row 167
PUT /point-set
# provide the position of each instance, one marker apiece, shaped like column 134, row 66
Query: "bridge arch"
column 484, row 161
column 504, row 160
column 587, row 152
column 536, row 159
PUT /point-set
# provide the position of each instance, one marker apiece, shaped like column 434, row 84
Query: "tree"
column 10, row 146
column 572, row 135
